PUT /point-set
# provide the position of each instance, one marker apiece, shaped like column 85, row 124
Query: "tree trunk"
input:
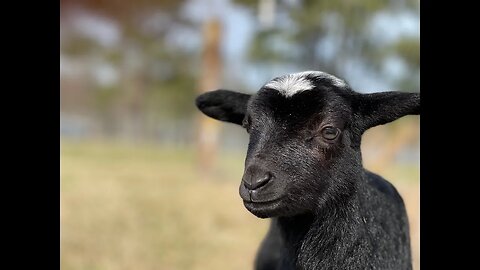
column 210, row 75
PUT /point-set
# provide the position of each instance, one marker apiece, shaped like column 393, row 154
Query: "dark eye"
column 330, row 133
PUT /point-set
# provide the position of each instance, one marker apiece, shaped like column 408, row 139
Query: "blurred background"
column 147, row 182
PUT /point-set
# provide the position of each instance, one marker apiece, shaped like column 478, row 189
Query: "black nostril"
column 258, row 181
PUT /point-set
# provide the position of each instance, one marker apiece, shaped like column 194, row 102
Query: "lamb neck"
column 335, row 237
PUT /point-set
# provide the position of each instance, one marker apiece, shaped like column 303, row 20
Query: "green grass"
column 145, row 207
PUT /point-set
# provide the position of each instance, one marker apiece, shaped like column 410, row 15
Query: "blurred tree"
column 210, row 77
column 408, row 49
column 154, row 81
column 157, row 76
column 307, row 28
column 156, row 71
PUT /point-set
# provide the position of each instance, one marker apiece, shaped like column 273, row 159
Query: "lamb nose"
column 256, row 178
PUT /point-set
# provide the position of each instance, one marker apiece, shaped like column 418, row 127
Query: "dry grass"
column 143, row 207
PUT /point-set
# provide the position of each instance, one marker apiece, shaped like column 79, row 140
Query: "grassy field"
column 144, row 207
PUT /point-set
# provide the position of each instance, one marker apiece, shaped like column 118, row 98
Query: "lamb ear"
column 224, row 105
column 384, row 107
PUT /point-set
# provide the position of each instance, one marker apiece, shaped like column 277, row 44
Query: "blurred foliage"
column 158, row 75
column 313, row 21
column 154, row 78
column 80, row 46
column 123, row 10
column 263, row 49
column 409, row 50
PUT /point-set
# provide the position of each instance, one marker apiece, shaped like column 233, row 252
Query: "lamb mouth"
column 266, row 194
column 259, row 196
column 266, row 209
column 265, row 202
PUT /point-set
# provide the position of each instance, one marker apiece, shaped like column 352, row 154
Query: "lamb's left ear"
column 384, row 107
column 224, row 105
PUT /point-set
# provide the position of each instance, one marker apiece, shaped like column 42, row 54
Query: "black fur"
column 224, row 105
column 304, row 170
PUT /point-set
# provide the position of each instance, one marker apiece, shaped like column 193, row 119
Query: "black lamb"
column 304, row 170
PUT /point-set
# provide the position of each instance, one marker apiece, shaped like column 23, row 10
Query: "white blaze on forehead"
column 292, row 84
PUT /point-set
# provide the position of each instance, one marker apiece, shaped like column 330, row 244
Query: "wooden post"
column 210, row 76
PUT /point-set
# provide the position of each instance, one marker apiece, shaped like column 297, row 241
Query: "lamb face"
column 305, row 132
column 299, row 127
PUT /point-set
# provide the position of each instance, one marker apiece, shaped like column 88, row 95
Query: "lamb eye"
column 330, row 133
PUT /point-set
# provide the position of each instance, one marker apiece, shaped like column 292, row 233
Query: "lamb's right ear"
column 224, row 105
column 384, row 107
